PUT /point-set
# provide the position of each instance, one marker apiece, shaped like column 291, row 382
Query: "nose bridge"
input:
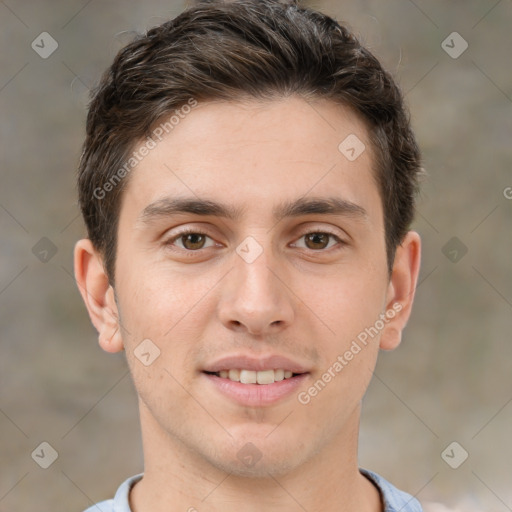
column 256, row 278
column 255, row 297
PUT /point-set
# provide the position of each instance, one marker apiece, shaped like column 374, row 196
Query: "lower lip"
column 256, row 395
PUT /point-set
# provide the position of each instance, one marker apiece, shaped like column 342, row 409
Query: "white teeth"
column 234, row 375
column 253, row 377
column 278, row 375
column 248, row 377
column 265, row 377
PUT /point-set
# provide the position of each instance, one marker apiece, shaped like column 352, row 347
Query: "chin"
column 258, row 456
column 269, row 465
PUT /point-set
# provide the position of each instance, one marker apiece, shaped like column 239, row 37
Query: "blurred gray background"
column 449, row 381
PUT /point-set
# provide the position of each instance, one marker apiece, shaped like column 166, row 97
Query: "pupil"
column 193, row 237
column 314, row 237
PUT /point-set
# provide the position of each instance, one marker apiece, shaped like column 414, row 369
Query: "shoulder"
column 104, row 506
column 394, row 500
column 121, row 501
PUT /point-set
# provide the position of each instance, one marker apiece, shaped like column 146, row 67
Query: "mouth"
column 250, row 388
column 255, row 381
column 262, row 377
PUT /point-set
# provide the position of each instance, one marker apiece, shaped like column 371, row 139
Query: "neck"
column 178, row 477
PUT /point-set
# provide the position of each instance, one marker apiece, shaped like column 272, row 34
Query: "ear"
column 401, row 290
column 98, row 295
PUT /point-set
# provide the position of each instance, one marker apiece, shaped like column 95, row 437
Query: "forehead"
column 256, row 154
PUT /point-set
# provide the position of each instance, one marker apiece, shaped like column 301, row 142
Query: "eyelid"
column 339, row 241
column 306, row 231
column 185, row 231
column 337, row 232
column 321, row 229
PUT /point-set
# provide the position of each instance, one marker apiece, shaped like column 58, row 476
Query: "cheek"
column 347, row 307
column 171, row 310
column 159, row 316
column 155, row 301
column 345, row 302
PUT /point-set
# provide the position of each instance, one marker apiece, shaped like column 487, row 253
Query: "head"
column 265, row 108
column 240, row 50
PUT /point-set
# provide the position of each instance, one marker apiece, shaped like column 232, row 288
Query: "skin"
column 302, row 299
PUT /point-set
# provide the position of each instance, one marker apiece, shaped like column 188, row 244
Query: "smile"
column 259, row 388
column 254, row 377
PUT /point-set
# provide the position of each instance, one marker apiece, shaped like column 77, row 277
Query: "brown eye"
column 193, row 241
column 317, row 240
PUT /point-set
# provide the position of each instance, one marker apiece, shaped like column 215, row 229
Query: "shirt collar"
column 393, row 499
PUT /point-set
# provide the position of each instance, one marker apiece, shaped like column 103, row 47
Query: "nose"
column 255, row 297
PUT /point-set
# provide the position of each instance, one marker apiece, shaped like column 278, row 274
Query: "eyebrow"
column 169, row 206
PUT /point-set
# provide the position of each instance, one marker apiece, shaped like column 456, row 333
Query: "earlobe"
column 401, row 290
column 390, row 338
column 98, row 295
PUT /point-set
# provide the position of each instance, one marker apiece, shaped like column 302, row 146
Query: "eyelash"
column 189, row 231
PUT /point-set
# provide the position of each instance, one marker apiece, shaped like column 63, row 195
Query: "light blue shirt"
column 393, row 499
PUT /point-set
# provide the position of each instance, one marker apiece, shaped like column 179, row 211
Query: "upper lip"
column 245, row 362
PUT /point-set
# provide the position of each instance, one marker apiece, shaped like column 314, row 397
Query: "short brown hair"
column 226, row 50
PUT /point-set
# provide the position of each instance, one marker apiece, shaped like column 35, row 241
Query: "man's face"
column 302, row 286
